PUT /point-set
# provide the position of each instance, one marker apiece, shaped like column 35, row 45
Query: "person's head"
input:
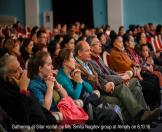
column 129, row 32
column 68, row 42
column 27, row 46
column 43, row 48
column 82, row 51
column 35, row 29
column 57, row 49
column 141, row 38
column 118, row 43
column 10, row 68
column 159, row 29
column 113, row 34
column 86, row 32
column 92, row 31
column 19, row 24
column 33, row 37
column 95, row 45
column 82, row 25
column 56, row 32
column 138, row 28
column 133, row 28
column 121, row 31
column 144, row 50
column 147, row 28
column 101, row 36
column 12, row 46
column 59, row 38
column 63, row 29
column 129, row 41
column 66, row 59
column 58, row 26
column 42, row 37
column 152, row 27
column 40, row 65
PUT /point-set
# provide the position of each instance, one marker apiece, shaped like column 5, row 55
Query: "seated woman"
column 67, row 73
column 26, row 50
column 148, row 64
column 68, row 42
column 70, row 79
column 54, row 51
column 13, row 48
column 120, row 61
column 142, row 39
column 43, row 85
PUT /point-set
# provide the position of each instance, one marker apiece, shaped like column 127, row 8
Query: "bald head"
column 82, row 51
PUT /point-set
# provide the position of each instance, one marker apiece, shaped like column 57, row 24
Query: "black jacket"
column 24, row 109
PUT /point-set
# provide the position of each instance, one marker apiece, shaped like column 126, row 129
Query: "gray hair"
column 3, row 62
column 90, row 39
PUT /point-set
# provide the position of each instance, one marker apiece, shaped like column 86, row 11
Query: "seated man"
column 106, row 73
column 135, row 108
column 15, row 99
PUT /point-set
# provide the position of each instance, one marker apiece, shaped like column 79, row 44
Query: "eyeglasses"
column 16, row 70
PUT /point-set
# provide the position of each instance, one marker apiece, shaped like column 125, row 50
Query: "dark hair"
column 115, row 38
column 10, row 44
column 143, row 45
column 24, row 53
column 52, row 47
column 132, row 27
column 58, row 37
column 81, row 38
column 138, row 37
column 150, row 23
column 99, row 35
column 40, row 32
column 35, row 62
column 83, row 31
column 66, row 40
column 158, row 29
column 121, row 27
column 126, row 38
column 64, row 54
column 113, row 34
column 34, row 29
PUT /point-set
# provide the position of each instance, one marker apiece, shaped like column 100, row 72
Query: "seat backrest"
column 154, row 44
column 160, row 41
column 104, row 56
column 157, row 42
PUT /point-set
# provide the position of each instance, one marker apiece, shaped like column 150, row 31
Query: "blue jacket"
column 65, row 81
column 38, row 87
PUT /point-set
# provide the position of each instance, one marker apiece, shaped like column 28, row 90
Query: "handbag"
column 72, row 114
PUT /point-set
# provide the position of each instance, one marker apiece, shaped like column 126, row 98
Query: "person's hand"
column 23, row 82
column 157, row 54
column 50, row 82
column 109, row 87
column 54, row 72
column 125, row 77
column 149, row 68
column 137, row 73
column 76, row 75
